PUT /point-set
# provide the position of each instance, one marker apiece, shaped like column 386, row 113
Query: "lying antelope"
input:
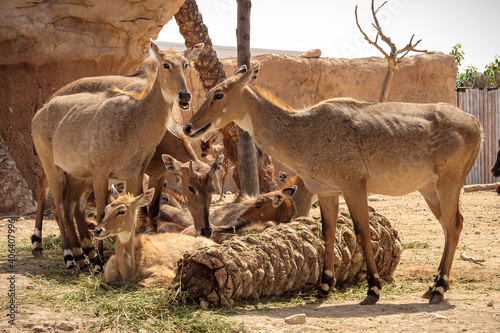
column 303, row 198
column 349, row 147
column 84, row 135
column 148, row 260
column 197, row 180
column 210, row 148
column 251, row 214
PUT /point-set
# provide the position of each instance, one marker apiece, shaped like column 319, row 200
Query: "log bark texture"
column 283, row 260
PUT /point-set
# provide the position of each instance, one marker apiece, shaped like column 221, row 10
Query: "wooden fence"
column 484, row 104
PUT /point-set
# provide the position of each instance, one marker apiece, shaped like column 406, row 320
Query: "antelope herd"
column 121, row 127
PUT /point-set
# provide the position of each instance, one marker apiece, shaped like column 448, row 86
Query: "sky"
column 330, row 26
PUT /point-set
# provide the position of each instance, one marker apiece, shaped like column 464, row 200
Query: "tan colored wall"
column 302, row 82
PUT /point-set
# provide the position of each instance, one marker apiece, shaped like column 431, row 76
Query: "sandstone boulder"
column 47, row 44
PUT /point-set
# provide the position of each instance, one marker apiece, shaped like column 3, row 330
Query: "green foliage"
column 490, row 78
column 458, row 53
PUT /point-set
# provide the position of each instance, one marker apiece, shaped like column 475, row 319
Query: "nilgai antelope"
column 174, row 142
column 210, row 148
column 100, row 135
column 197, row 180
column 277, row 206
column 303, row 198
column 349, row 147
column 251, row 214
column 85, row 200
column 495, row 170
column 148, row 260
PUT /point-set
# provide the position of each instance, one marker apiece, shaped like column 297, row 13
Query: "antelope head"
column 273, row 206
column 223, row 103
column 197, row 188
column 207, row 146
column 172, row 71
column 120, row 216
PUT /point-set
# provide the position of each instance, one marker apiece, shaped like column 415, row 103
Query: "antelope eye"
column 185, row 66
column 120, row 212
column 166, row 66
column 258, row 205
column 190, row 188
column 218, row 96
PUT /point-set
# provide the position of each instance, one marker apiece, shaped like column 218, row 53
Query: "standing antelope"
column 100, row 135
column 349, row 147
column 197, row 180
column 148, row 260
column 210, row 148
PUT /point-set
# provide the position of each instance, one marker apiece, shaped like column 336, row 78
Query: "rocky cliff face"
column 47, row 44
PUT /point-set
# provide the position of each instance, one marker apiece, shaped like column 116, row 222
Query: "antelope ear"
column 194, row 51
column 240, row 70
column 289, row 191
column 250, row 76
column 171, row 164
column 155, row 48
column 144, row 199
column 278, row 200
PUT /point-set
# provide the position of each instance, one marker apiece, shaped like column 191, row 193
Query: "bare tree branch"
column 366, row 36
column 395, row 56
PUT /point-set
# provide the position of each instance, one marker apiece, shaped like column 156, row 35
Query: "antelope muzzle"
column 184, row 99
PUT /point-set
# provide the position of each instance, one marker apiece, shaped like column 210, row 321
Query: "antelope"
column 303, row 198
column 347, row 147
column 83, row 135
column 174, row 216
column 148, row 260
column 251, row 214
column 174, row 141
column 79, row 214
column 277, row 206
column 495, row 170
column 197, row 180
column 210, row 148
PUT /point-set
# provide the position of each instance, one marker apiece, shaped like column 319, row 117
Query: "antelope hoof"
column 427, row 294
column 207, row 232
column 436, row 297
column 370, row 300
column 37, row 252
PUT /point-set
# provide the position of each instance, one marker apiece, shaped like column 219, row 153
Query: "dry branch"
column 394, row 57
column 282, row 260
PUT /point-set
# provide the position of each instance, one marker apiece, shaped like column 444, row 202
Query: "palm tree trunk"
column 247, row 154
column 285, row 259
column 194, row 31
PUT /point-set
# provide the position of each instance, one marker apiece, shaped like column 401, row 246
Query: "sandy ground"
column 472, row 304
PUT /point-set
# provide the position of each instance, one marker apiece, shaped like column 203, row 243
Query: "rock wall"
column 15, row 197
column 45, row 45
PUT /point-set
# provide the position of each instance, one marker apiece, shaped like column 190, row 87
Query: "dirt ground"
column 472, row 304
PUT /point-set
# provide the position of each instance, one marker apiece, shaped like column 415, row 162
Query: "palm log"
column 284, row 259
